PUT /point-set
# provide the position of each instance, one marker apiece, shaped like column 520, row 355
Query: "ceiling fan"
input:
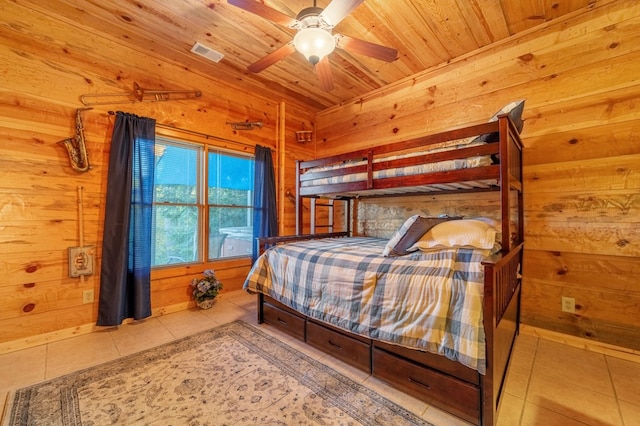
column 314, row 38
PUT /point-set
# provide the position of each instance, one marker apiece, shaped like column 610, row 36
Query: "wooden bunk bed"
column 463, row 391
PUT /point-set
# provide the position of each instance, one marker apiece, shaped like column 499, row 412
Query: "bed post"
column 299, row 222
column 510, row 179
column 488, row 402
column 347, row 217
column 503, row 126
column 312, row 215
column 502, row 289
column 502, row 286
column 260, row 310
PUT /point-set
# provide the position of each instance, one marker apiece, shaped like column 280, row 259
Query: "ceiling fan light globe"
column 314, row 43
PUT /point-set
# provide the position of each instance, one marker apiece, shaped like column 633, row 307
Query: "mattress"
column 430, row 301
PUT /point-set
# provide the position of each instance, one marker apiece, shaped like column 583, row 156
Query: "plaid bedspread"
column 426, row 300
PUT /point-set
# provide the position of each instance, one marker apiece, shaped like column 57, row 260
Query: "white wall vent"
column 207, row 52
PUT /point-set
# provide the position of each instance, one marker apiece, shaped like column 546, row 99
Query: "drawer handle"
column 281, row 321
column 411, row 379
column 335, row 345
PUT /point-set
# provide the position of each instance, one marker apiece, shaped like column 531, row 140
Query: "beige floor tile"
column 573, row 365
column 534, row 415
column 185, row 323
column 524, row 351
column 251, row 315
column 140, row 335
column 242, row 299
column 626, row 379
column 510, row 410
column 573, row 401
column 630, row 413
column 22, row 368
column 517, row 381
column 527, row 340
column 224, row 312
column 80, row 352
column 249, row 318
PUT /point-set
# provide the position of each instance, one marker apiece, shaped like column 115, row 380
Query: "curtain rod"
column 194, row 133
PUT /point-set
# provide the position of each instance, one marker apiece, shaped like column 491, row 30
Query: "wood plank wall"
column 47, row 65
column 579, row 76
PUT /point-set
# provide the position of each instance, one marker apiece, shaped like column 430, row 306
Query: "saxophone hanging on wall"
column 76, row 146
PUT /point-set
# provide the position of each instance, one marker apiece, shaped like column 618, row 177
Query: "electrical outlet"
column 87, row 296
column 569, row 305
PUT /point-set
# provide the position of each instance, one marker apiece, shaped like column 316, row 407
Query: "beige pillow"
column 458, row 233
column 410, row 231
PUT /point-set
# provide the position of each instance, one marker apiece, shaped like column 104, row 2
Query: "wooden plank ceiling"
column 425, row 33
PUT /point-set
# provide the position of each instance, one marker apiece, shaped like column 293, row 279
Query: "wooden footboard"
column 501, row 321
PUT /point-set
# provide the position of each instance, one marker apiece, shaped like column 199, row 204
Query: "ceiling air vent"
column 207, row 52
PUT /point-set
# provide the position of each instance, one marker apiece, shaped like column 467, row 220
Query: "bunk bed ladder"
column 330, row 205
column 314, row 216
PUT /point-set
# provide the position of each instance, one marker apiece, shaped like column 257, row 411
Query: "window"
column 230, row 205
column 201, row 195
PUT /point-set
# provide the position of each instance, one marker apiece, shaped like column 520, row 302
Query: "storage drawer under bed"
column 284, row 320
column 352, row 350
column 456, row 396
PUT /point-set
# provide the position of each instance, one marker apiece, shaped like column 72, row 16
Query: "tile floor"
column 548, row 383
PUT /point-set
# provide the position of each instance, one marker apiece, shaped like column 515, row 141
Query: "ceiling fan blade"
column 323, row 70
column 366, row 48
column 337, row 10
column 272, row 58
column 260, row 9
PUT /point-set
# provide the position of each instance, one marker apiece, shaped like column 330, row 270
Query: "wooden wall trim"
column 581, row 343
column 66, row 333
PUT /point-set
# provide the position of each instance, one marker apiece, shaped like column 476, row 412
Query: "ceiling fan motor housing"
column 309, row 12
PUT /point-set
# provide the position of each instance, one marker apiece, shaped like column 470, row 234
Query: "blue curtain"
column 265, row 213
column 125, row 276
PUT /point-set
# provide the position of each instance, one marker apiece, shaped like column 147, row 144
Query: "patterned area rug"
column 231, row 375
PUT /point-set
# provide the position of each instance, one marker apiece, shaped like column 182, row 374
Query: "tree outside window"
column 185, row 216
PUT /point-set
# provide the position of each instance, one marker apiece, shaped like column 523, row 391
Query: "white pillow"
column 458, row 233
column 492, row 222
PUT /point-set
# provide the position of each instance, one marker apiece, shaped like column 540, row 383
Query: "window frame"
column 207, row 207
column 202, row 199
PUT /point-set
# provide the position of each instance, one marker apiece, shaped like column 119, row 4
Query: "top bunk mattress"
column 466, row 158
column 351, row 171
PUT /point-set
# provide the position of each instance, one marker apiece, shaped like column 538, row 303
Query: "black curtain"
column 125, row 276
column 265, row 214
